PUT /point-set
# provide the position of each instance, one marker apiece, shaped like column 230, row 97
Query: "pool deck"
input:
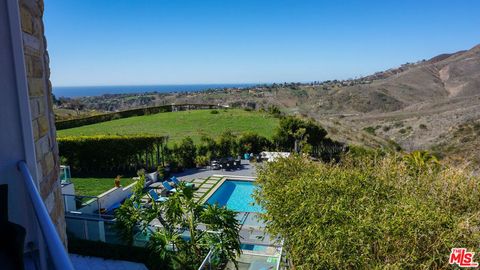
column 205, row 185
column 247, row 169
column 221, row 180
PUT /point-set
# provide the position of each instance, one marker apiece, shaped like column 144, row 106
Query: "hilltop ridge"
column 420, row 105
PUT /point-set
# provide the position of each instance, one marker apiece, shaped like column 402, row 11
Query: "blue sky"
column 141, row 42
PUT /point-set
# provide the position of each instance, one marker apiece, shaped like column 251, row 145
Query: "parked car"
column 215, row 165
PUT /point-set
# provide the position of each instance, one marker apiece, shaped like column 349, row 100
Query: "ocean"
column 82, row 91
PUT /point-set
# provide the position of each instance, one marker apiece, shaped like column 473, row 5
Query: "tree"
column 250, row 142
column 186, row 153
column 76, row 105
column 293, row 131
column 300, row 136
column 227, row 144
column 208, row 147
column 127, row 215
column 181, row 212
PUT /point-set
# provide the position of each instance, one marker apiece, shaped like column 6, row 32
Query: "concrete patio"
column 247, row 169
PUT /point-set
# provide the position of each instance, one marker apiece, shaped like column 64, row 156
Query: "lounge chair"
column 177, row 182
column 155, row 196
column 168, row 187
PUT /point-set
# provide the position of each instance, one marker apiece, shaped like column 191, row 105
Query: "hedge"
column 128, row 113
column 106, row 154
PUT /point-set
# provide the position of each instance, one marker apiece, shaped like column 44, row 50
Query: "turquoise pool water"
column 236, row 195
column 253, row 247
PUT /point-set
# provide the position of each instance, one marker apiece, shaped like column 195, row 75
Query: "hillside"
column 178, row 125
column 420, row 105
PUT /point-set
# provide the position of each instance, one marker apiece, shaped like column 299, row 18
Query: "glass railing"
column 88, row 206
column 64, row 175
column 259, row 248
column 92, row 229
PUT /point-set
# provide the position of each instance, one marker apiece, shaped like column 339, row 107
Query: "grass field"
column 178, row 125
column 96, row 186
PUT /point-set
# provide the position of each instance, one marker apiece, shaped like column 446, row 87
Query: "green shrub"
column 250, row 142
column 214, row 111
column 394, row 145
column 370, row 130
column 398, row 124
column 274, row 110
column 202, row 161
column 292, row 132
column 422, row 126
column 369, row 213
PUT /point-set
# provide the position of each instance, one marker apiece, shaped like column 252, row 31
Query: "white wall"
column 115, row 195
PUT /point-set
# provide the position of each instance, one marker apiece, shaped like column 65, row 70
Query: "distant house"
column 272, row 156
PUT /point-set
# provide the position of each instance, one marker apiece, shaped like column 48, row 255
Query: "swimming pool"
column 236, row 195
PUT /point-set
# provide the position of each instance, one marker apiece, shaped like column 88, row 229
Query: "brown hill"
column 423, row 105
column 426, row 106
column 442, row 77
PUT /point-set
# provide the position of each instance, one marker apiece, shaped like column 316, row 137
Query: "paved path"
column 204, row 186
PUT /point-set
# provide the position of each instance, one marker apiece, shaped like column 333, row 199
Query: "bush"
column 214, row 111
column 295, row 133
column 370, row 130
column 398, row 124
column 370, row 213
column 250, row 142
column 111, row 154
column 274, row 111
column 227, row 144
column 202, row 161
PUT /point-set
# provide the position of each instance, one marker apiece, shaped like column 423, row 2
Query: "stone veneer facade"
column 41, row 107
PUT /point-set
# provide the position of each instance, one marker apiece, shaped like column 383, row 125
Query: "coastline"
column 86, row 91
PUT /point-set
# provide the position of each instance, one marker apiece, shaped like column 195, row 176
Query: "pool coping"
column 219, row 183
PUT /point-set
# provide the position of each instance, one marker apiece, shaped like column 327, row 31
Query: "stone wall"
column 43, row 119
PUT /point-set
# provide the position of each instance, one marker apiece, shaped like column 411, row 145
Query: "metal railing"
column 58, row 254
column 207, row 261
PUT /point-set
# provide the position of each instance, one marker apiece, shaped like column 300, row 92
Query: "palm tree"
column 225, row 243
column 179, row 214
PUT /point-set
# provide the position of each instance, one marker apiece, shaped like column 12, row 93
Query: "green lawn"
column 96, row 186
column 178, row 125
